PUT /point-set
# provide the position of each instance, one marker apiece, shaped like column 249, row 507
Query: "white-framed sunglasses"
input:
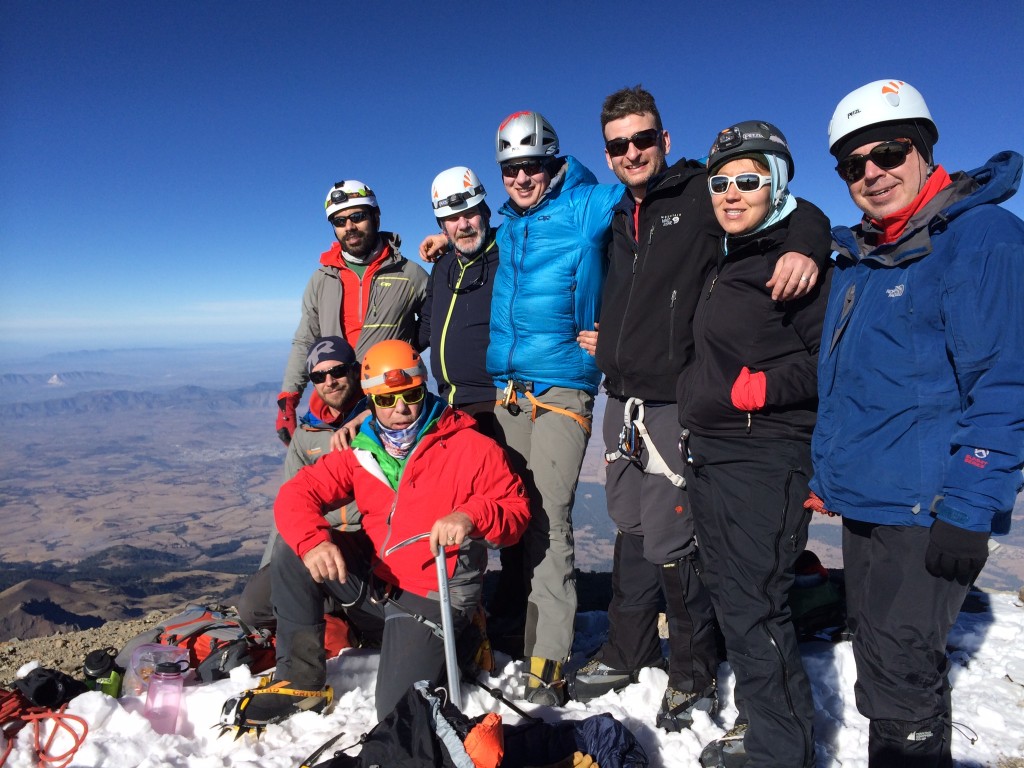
column 745, row 182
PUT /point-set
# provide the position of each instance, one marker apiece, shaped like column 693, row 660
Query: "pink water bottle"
column 163, row 698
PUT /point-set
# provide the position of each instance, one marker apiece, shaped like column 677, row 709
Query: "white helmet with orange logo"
column 876, row 104
column 456, row 190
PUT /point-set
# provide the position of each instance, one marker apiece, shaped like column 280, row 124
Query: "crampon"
column 274, row 702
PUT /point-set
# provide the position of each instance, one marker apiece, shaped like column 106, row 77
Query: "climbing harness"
column 510, row 402
column 633, row 438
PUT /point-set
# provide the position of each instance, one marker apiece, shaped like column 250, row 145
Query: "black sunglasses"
column 358, row 217
column 887, row 155
column 529, row 167
column 641, row 140
column 337, row 372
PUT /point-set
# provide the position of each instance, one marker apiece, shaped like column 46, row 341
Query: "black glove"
column 955, row 553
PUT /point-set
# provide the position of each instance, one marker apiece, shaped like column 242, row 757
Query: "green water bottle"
column 101, row 673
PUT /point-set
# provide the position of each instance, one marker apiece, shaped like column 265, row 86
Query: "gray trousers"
column 548, row 454
column 654, row 555
column 409, row 648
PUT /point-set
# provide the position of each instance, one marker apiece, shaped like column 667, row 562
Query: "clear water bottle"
column 163, row 697
column 101, row 673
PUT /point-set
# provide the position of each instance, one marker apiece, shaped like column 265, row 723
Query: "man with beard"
column 456, row 314
column 364, row 291
column 331, row 366
column 664, row 239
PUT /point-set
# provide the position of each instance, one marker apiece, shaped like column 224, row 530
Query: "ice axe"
column 447, row 623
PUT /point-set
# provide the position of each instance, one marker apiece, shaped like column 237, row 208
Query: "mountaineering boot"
column 677, row 707
column 595, row 678
column 728, row 751
column 544, row 684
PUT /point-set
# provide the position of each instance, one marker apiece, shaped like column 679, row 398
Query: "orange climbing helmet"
column 392, row 366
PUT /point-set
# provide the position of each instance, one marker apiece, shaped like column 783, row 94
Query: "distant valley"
column 136, row 488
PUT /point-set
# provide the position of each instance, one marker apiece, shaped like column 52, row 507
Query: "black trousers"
column 410, row 650
column 900, row 616
column 747, row 497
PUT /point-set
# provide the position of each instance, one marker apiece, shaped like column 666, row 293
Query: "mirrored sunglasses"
column 745, row 182
column 357, row 217
column 409, row 397
column 339, row 371
column 887, row 155
column 641, row 140
column 529, row 167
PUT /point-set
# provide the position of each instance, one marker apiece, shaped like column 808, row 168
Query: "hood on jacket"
column 572, row 174
column 332, row 256
column 992, row 183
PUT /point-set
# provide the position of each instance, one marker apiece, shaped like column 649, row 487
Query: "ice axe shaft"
column 448, row 627
column 451, row 659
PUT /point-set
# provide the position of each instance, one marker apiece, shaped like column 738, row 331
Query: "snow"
column 986, row 649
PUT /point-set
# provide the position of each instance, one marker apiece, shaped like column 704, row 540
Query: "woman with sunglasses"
column 416, row 466
column 920, row 440
column 748, row 400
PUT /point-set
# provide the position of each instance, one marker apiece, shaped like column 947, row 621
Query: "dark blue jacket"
column 921, row 368
column 455, row 324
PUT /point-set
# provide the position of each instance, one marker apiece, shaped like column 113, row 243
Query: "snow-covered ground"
column 986, row 648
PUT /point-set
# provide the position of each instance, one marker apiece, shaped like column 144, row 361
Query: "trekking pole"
column 448, row 627
column 451, row 658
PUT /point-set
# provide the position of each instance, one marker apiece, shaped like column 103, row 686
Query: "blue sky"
column 163, row 165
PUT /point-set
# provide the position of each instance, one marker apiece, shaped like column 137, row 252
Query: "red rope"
column 16, row 712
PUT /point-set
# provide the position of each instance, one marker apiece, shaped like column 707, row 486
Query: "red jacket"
column 452, row 467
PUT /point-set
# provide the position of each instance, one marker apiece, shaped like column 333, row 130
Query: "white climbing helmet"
column 456, row 190
column 883, row 101
column 348, row 194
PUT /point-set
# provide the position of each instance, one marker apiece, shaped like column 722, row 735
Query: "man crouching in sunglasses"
column 416, row 466
column 333, row 371
column 919, row 442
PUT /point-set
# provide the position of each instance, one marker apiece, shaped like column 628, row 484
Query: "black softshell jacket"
column 737, row 324
column 653, row 280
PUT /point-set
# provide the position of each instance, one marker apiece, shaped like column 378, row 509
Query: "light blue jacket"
column 921, row 369
column 549, row 281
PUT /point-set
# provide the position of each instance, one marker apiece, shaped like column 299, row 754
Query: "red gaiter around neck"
column 892, row 227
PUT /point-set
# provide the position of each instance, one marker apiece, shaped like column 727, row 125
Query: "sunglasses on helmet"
column 529, row 167
column 887, row 155
column 409, row 397
column 357, row 217
column 337, row 372
column 641, row 140
column 745, row 182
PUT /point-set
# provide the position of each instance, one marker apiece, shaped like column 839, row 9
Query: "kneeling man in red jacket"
column 416, row 466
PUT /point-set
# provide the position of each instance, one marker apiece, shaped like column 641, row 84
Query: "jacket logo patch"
column 895, row 293
column 978, row 459
column 672, row 218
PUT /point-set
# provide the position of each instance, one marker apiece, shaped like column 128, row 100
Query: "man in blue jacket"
column 920, row 441
column 547, row 289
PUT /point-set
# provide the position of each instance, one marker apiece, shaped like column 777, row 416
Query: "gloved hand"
column 955, row 553
column 287, row 402
column 815, row 504
column 749, row 390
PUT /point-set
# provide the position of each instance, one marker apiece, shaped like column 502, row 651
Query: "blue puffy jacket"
column 548, row 284
column 921, row 368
